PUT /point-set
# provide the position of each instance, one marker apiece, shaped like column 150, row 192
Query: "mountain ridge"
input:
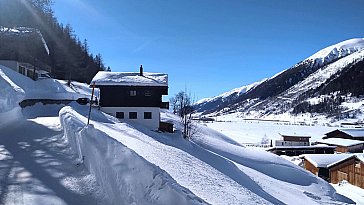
column 289, row 90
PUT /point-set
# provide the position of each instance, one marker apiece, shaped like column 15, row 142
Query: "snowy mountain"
column 318, row 85
column 342, row 49
column 50, row 155
column 225, row 98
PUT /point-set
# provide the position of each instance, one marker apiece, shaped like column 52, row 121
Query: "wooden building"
column 293, row 140
column 299, row 150
column 133, row 96
column 354, row 134
column 337, row 167
column 344, row 145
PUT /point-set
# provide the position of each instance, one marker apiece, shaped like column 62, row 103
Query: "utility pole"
column 92, row 96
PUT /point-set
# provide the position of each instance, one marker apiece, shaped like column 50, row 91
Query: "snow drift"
column 124, row 175
column 10, row 96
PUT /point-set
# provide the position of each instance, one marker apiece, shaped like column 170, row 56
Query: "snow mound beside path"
column 124, row 175
column 10, row 96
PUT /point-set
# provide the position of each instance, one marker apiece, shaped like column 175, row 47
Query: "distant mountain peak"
column 331, row 75
column 338, row 50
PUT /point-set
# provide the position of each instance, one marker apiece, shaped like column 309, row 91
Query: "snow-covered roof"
column 130, row 79
column 294, row 134
column 353, row 132
column 326, row 160
column 360, row 157
column 341, row 142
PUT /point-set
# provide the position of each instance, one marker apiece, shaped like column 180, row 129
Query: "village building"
column 133, row 96
column 297, row 144
column 344, row 145
column 293, row 140
column 354, row 134
column 26, row 69
column 299, row 150
column 335, row 168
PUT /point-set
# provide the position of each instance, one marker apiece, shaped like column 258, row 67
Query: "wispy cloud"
column 145, row 44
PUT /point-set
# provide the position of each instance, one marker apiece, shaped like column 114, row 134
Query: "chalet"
column 293, row 140
column 299, row 150
column 354, row 134
column 133, row 96
column 337, row 167
column 344, row 145
column 26, row 69
column 296, row 144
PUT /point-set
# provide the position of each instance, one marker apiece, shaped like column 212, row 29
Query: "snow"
column 353, row 132
column 44, row 88
column 235, row 91
column 252, row 131
column 10, row 96
column 212, row 166
column 281, row 106
column 326, row 160
column 130, row 79
column 10, row 93
column 353, row 192
column 321, row 75
column 46, row 159
column 37, row 167
column 341, row 142
column 338, row 50
column 294, row 134
column 116, row 166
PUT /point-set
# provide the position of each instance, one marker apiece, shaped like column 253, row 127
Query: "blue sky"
column 210, row 46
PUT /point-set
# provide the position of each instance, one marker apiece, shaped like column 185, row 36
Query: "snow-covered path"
column 37, row 167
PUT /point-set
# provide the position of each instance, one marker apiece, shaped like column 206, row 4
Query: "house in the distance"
column 293, row 140
column 354, row 134
column 335, row 168
column 133, row 96
column 344, row 145
column 26, row 69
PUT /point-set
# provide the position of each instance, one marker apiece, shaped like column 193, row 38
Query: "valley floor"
column 252, row 131
column 37, row 167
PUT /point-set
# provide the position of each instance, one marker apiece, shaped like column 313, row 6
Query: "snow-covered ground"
column 252, row 131
column 37, row 167
column 353, row 192
column 214, row 167
column 49, row 160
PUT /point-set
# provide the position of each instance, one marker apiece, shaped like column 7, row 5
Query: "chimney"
column 141, row 70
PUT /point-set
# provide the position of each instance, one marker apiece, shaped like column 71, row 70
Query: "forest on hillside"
column 23, row 23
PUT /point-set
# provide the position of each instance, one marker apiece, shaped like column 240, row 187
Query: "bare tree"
column 182, row 106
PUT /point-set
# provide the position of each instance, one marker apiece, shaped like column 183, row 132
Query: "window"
column 147, row 115
column 133, row 115
column 133, row 93
column 22, row 70
column 148, row 93
column 120, row 115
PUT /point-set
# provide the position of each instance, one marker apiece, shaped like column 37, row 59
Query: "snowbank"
column 44, row 88
column 10, row 96
column 123, row 174
column 269, row 174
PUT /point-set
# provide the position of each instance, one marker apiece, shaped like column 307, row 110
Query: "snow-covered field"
column 49, row 156
column 252, row 131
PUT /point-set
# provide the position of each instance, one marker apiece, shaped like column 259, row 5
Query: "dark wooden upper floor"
column 132, row 96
